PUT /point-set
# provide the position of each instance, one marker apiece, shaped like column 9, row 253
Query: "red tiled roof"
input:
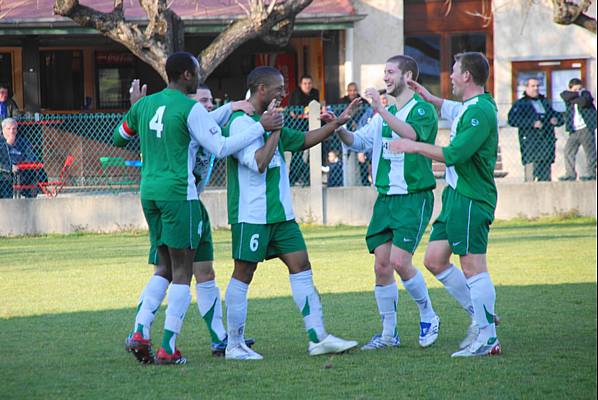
column 200, row 9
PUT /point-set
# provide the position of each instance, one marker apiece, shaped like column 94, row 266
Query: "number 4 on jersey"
column 156, row 121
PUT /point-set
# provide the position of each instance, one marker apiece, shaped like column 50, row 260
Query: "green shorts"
column 205, row 248
column 173, row 223
column 257, row 242
column 463, row 222
column 401, row 218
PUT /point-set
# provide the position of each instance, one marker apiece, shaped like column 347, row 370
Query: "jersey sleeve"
column 363, row 138
column 222, row 114
column 450, row 109
column 245, row 156
column 292, row 140
column 424, row 121
column 473, row 132
column 207, row 133
column 127, row 128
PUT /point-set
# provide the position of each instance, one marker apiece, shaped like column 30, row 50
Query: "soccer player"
column 209, row 301
column 171, row 128
column 405, row 199
column 263, row 224
column 469, row 200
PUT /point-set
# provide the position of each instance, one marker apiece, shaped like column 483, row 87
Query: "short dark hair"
column 261, row 76
column 305, row 76
column 179, row 62
column 405, row 63
column 476, row 64
column 203, row 86
column 575, row 81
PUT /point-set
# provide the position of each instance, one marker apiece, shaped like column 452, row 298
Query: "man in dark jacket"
column 536, row 120
column 581, row 125
column 8, row 107
column 298, row 101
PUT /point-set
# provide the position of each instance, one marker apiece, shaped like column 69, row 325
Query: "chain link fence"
column 73, row 153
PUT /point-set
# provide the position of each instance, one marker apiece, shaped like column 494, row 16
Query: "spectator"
column 536, row 120
column 301, row 97
column 352, row 93
column 8, row 107
column 581, row 125
column 365, row 169
column 334, row 168
column 19, row 150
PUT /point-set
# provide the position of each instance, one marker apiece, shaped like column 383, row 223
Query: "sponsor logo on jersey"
column 421, row 111
column 213, row 130
column 474, row 122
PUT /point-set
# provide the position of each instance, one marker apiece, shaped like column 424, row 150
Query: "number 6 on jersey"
column 156, row 122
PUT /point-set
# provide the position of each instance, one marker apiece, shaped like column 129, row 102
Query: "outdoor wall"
column 525, row 31
column 351, row 206
column 375, row 38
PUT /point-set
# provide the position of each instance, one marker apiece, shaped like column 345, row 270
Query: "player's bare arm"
column 401, row 128
column 410, row 146
column 345, row 135
column 316, row 136
column 424, row 93
column 264, row 154
column 243, row 105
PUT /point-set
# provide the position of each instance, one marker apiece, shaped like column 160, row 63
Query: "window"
column 61, row 75
column 425, row 49
column 114, row 72
column 553, row 75
column 434, row 34
column 6, row 70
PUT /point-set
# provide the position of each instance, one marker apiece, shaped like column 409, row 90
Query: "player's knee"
column 434, row 263
column 204, row 272
column 383, row 269
column 401, row 261
column 164, row 272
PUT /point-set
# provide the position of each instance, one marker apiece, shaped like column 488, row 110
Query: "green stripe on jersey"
column 261, row 198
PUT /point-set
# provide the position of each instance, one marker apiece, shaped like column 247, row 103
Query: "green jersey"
column 471, row 155
column 400, row 173
column 172, row 128
column 254, row 197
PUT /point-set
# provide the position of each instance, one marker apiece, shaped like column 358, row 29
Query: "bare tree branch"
column 261, row 22
column 568, row 12
column 164, row 33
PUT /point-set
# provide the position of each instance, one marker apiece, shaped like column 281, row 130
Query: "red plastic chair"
column 51, row 189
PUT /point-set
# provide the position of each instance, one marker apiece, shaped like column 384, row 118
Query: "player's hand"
column 419, row 89
column 327, row 116
column 538, row 125
column 374, row 94
column 348, row 112
column 402, row 146
column 136, row 92
column 554, row 121
column 243, row 105
column 271, row 119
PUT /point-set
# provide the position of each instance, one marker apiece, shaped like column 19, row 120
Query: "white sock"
column 456, row 284
column 308, row 301
column 179, row 298
column 418, row 290
column 149, row 303
column 483, row 297
column 387, row 298
column 210, row 309
column 236, row 311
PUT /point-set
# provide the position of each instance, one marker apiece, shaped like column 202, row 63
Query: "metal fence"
column 73, row 153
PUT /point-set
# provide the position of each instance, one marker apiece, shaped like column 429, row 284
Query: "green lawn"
column 68, row 302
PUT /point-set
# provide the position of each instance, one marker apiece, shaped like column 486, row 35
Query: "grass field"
column 68, row 302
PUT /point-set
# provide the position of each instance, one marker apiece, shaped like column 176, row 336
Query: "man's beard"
column 399, row 88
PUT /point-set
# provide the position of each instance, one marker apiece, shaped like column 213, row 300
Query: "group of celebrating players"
column 180, row 134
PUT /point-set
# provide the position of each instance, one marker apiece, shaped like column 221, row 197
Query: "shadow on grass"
column 547, row 332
